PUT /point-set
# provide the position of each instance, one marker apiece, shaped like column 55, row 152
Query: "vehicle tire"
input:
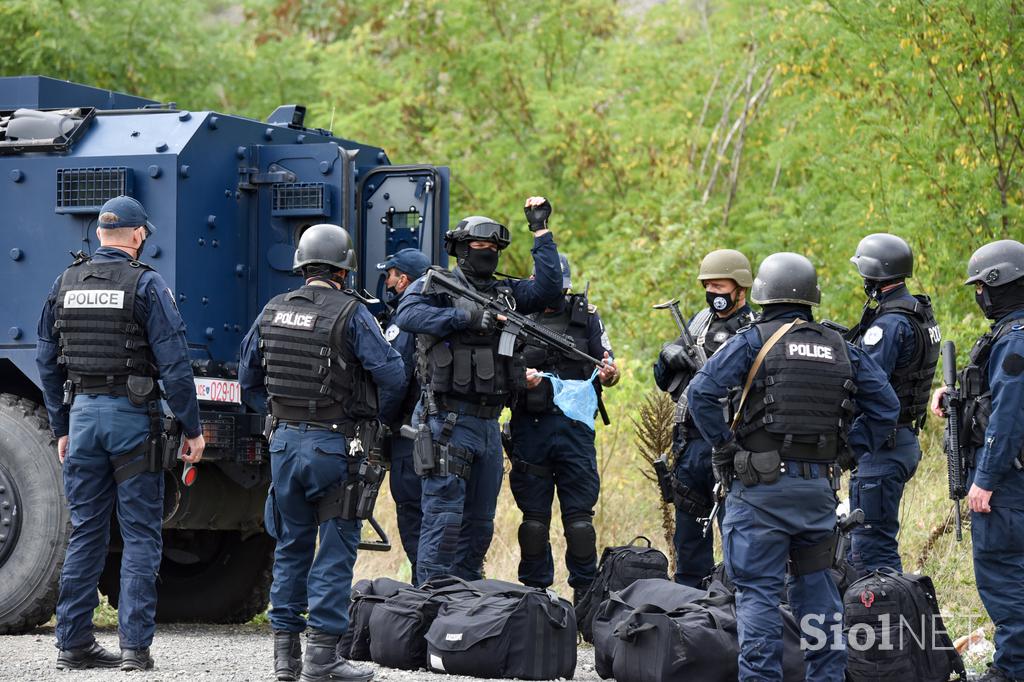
column 34, row 520
column 206, row 577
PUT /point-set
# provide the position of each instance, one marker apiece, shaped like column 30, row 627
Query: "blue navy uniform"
column 998, row 536
column 102, row 428
column 694, row 481
column 904, row 341
column 405, row 483
column 458, row 513
column 764, row 523
column 551, row 452
column 310, row 454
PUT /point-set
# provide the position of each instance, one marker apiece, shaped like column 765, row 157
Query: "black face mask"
column 998, row 302
column 720, row 303
column 480, row 263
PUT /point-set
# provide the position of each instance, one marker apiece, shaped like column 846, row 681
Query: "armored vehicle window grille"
column 299, row 199
column 85, row 190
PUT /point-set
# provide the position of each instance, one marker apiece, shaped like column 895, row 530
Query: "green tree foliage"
column 660, row 131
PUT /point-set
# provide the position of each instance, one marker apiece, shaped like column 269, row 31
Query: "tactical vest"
column 913, row 382
column 311, row 373
column 572, row 321
column 711, row 331
column 465, row 367
column 976, row 394
column 800, row 401
column 101, row 342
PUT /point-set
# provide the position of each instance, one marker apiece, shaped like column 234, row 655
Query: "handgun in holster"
column 167, row 444
column 370, row 476
column 664, row 475
column 423, row 451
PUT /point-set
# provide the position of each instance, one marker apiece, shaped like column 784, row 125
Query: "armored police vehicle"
column 229, row 197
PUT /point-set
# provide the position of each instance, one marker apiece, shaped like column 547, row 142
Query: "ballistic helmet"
column 476, row 228
column 882, row 257
column 996, row 263
column 726, row 264
column 786, row 278
column 325, row 244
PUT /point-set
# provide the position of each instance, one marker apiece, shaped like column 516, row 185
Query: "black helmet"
column 996, row 263
column 476, row 228
column 882, row 257
column 325, row 244
column 786, row 278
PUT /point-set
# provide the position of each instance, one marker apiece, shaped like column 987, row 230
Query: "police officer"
column 108, row 331
column 402, row 269
column 470, row 384
column 320, row 355
column 899, row 332
column 797, row 385
column 551, row 452
column 993, row 393
column 726, row 277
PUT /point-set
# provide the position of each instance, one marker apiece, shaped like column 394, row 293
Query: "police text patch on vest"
column 818, row 352
column 295, row 320
column 94, row 298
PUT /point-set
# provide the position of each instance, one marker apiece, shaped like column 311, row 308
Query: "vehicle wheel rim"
column 10, row 514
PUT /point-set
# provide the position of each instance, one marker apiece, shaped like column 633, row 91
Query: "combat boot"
column 136, row 659
column 92, row 656
column 287, row 655
column 321, row 661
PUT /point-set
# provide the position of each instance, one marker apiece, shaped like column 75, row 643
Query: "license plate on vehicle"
column 218, row 390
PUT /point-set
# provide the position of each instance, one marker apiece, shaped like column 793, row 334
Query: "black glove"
column 481, row 320
column 675, row 358
column 537, row 216
column 722, row 457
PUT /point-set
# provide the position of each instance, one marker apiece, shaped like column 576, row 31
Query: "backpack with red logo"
column 894, row 631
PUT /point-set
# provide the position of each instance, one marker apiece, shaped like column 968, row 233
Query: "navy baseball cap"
column 412, row 262
column 127, row 212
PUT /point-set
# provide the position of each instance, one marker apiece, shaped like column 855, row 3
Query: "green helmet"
column 726, row 264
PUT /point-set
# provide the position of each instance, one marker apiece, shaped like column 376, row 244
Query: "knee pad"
column 580, row 539
column 533, row 538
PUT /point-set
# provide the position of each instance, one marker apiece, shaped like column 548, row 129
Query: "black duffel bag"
column 399, row 623
column 696, row 642
column 619, row 568
column 894, row 631
column 504, row 631
column 617, row 607
column 366, row 594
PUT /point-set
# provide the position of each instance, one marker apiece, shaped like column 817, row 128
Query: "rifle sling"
column 772, row 340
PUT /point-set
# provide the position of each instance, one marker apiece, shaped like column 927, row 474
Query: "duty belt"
column 345, row 428
column 479, row 410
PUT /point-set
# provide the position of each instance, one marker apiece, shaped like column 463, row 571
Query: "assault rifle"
column 955, row 466
column 372, row 471
column 514, row 326
column 696, row 352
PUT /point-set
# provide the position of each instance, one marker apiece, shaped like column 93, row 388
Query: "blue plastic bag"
column 576, row 398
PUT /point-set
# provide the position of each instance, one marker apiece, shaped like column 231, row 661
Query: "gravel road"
column 193, row 652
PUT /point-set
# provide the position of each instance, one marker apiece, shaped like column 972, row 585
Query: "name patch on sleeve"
column 290, row 318
column 811, row 351
column 94, row 298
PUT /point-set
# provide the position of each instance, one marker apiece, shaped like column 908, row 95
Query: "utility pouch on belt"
column 140, row 389
column 753, row 468
column 423, row 451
